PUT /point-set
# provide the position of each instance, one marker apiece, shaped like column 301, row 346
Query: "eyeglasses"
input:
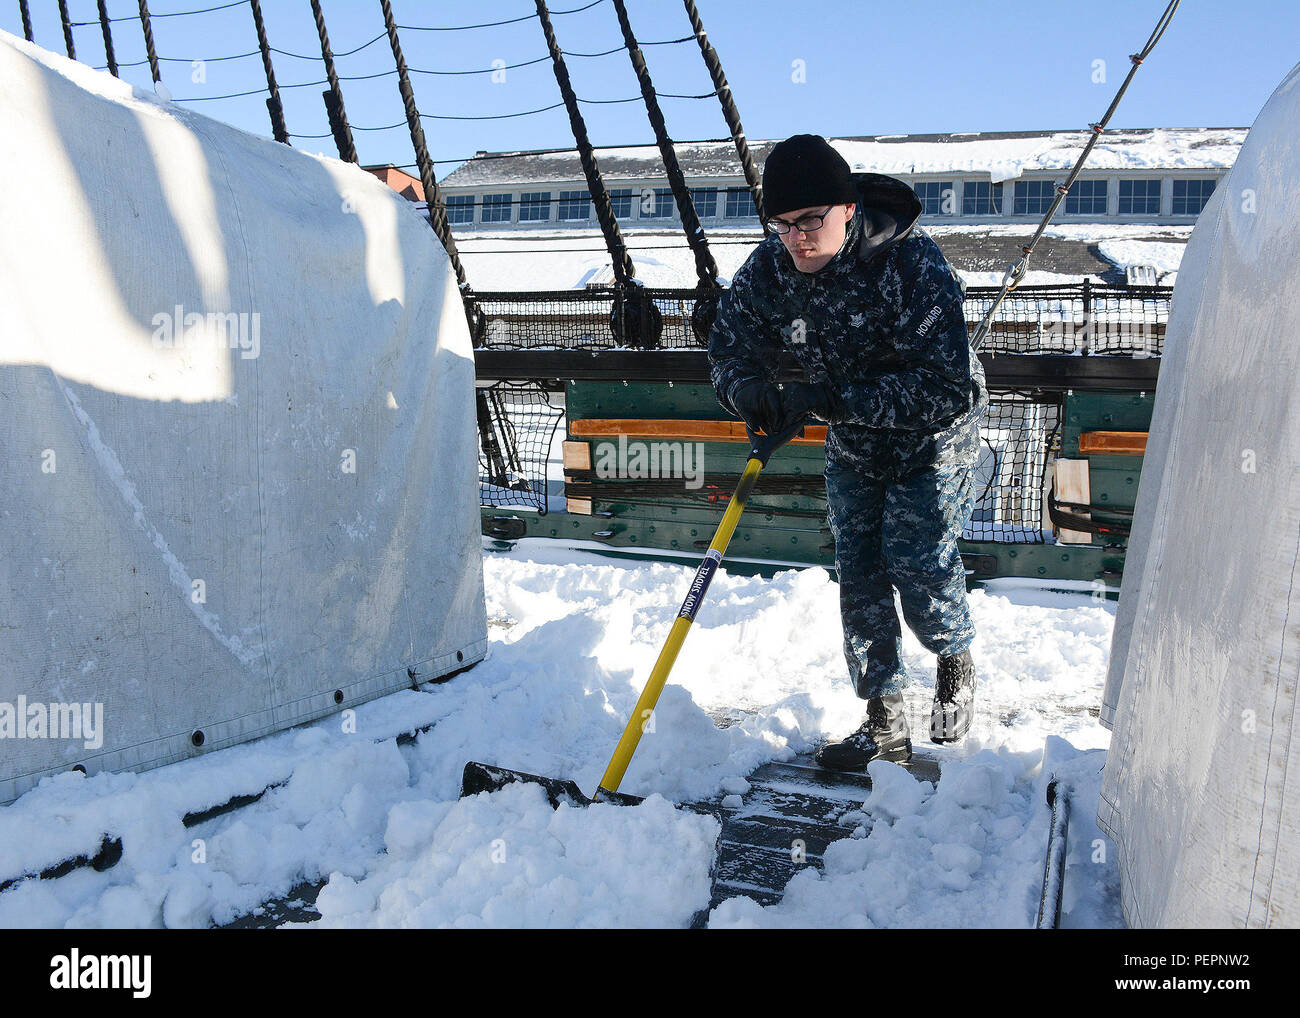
column 805, row 224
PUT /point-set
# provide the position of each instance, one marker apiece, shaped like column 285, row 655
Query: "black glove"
column 759, row 405
column 799, row 399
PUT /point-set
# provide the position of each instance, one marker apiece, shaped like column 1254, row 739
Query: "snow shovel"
column 479, row 777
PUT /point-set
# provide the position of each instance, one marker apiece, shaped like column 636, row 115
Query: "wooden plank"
column 577, row 456
column 1113, row 443
column 578, row 506
column 689, row 430
column 1072, row 486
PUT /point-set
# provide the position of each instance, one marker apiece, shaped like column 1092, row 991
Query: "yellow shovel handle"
column 677, row 635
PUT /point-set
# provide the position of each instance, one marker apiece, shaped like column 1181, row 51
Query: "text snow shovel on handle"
column 479, row 777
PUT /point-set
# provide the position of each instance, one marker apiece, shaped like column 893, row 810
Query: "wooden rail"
column 688, row 430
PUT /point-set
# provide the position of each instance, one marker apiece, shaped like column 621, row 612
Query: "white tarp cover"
column 1201, row 694
column 215, row 524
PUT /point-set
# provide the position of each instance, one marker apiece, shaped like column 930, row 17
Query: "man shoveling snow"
column 865, row 300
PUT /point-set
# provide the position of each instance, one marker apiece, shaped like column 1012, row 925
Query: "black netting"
column 517, row 422
column 1081, row 318
column 581, row 320
column 1019, row 437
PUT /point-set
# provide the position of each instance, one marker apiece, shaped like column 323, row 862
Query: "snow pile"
column 574, row 637
column 509, row 859
column 967, row 852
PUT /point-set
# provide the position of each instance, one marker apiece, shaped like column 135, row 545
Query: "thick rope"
column 474, row 316
column 706, row 269
column 729, row 111
column 108, row 39
column 273, row 105
column 146, row 23
column 67, row 30
column 339, row 115
column 624, row 271
column 27, row 20
column 432, row 194
column 1017, row 270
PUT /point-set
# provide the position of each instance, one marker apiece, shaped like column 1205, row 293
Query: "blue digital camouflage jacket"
column 881, row 323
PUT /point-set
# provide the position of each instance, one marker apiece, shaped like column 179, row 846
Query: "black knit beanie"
column 802, row 172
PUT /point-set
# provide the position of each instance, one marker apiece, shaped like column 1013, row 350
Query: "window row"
column 1137, row 197
column 1085, row 197
column 575, row 206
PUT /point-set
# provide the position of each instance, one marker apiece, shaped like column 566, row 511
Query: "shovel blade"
column 481, row 777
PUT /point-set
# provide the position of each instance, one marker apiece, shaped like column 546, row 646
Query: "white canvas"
column 1201, row 690
column 211, row 524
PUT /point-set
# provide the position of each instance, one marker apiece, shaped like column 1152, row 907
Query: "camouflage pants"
column 899, row 533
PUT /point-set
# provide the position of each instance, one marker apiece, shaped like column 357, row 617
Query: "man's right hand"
column 799, row 399
column 759, row 405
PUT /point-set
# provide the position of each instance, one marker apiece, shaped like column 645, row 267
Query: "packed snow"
column 574, row 636
column 1163, row 256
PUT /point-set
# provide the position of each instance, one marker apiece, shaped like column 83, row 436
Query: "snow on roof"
column 1003, row 155
column 1005, row 158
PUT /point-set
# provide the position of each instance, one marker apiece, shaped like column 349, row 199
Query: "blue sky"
column 868, row 67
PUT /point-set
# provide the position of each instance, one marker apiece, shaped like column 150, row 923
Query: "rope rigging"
column 67, row 30
column 1016, row 271
column 146, row 25
column 633, row 320
column 729, row 111
column 338, row 115
column 170, row 14
column 624, row 271
column 340, row 128
column 205, row 10
column 432, row 194
column 108, row 39
column 637, row 316
column 412, row 70
column 273, row 104
column 494, row 24
column 706, row 269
